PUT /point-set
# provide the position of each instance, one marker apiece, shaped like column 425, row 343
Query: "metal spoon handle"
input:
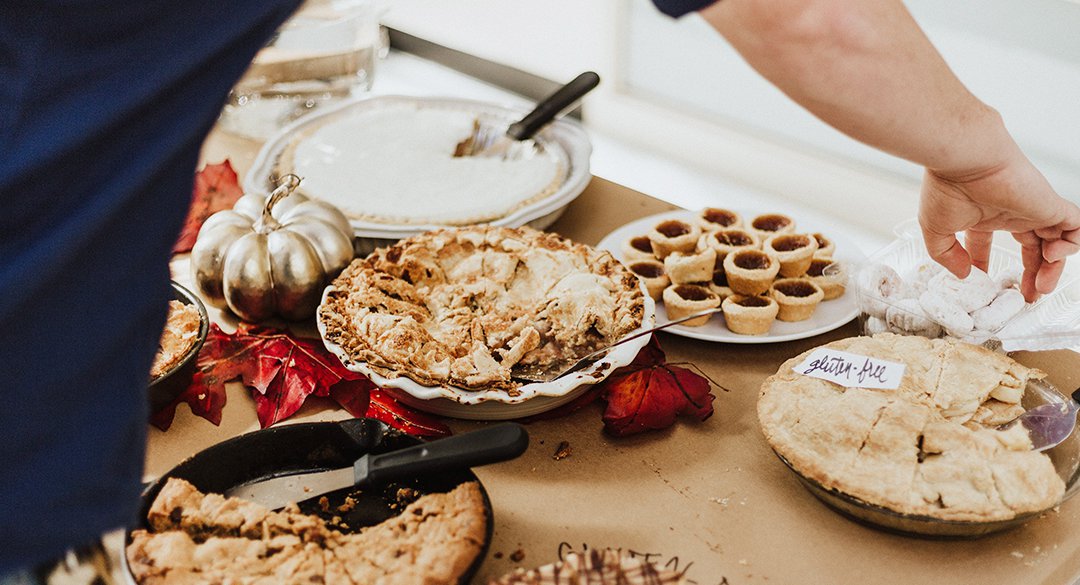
column 549, row 107
column 652, row 330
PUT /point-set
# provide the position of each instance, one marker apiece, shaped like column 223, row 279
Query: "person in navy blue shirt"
column 103, row 108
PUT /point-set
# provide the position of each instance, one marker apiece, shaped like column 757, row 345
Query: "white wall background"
column 676, row 89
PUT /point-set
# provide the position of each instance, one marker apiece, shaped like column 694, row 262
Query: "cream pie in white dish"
column 329, row 160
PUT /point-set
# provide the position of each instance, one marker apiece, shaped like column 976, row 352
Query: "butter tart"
column 673, row 235
column 714, row 218
column 750, row 272
column 653, row 275
column 681, row 300
column 719, row 284
column 794, row 251
column 797, row 298
column 461, row 307
column 637, row 249
column 692, row 267
column 749, row 315
column 829, row 275
column 825, row 246
column 726, row 241
column 922, row 449
column 771, row 224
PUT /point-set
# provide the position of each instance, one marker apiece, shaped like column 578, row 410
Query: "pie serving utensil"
column 490, row 445
column 1049, row 424
column 543, row 374
column 514, row 141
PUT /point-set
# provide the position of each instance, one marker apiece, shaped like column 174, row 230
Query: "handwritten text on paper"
column 852, row 370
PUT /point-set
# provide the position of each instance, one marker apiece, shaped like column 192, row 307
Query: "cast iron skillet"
column 314, row 447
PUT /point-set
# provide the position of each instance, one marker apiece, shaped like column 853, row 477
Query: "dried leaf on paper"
column 650, row 394
column 216, row 188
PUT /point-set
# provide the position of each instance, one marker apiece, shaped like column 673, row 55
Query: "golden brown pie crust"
column 207, row 538
column 715, row 218
column 180, row 335
column 692, row 267
column 462, row 306
column 928, row 448
column 653, row 275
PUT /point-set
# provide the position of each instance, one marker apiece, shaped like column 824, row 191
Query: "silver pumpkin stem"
column 266, row 222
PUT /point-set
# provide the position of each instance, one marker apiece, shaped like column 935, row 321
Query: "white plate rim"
column 569, row 134
column 848, row 252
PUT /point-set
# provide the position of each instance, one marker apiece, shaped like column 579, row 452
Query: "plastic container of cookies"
column 1065, row 457
column 1052, row 322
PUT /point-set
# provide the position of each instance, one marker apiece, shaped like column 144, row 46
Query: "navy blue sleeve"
column 677, row 8
column 105, row 106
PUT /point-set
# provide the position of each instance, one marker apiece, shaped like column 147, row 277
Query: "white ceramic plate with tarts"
column 828, row 316
column 532, row 399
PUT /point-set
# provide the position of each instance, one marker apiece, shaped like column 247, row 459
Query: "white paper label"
column 852, row 370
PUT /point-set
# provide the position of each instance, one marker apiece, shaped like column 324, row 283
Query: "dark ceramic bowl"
column 166, row 387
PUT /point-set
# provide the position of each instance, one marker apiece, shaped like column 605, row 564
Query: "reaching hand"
column 1013, row 196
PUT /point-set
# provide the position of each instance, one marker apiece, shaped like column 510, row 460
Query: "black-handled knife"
column 497, row 443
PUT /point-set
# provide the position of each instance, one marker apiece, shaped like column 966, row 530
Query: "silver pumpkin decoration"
column 271, row 255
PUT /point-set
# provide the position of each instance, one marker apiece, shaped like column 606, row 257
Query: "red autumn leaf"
column 281, row 371
column 650, row 394
column 216, row 188
column 383, row 407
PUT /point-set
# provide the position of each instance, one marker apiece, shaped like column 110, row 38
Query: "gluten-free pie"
column 794, row 251
column 931, row 447
column 749, row 314
column 750, row 272
column 461, row 307
column 797, row 298
column 208, row 538
column 673, row 235
column 683, row 300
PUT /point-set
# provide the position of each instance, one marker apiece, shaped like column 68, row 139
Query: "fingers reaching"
column 1031, row 255
column 947, row 251
column 978, row 247
column 1057, row 250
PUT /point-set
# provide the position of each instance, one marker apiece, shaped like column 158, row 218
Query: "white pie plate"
column 829, row 314
column 565, row 137
column 532, row 399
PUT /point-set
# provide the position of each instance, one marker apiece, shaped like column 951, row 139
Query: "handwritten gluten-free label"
column 852, row 370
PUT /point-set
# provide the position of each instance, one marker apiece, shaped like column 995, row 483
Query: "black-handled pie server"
column 500, row 442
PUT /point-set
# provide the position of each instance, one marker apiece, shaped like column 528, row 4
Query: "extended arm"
column 867, row 69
